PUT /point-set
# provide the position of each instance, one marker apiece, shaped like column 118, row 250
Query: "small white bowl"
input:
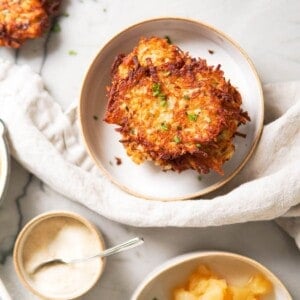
column 233, row 267
column 56, row 218
column 4, row 162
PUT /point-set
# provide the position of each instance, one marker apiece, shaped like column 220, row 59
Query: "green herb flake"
column 186, row 97
column 199, row 178
column 72, row 53
column 176, row 139
column 192, row 117
column 104, row 10
column 168, row 39
column 164, row 126
column 156, row 89
column 65, row 14
column 56, row 28
column 162, row 97
column 163, row 103
column 95, row 118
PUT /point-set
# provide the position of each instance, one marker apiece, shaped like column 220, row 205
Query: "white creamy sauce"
column 61, row 237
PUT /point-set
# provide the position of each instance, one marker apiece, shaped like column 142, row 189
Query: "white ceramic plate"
column 236, row 269
column 4, row 162
column 102, row 141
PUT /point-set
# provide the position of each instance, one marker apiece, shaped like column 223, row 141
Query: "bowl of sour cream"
column 58, row 235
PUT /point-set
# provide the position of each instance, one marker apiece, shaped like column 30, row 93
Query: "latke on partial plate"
column 24, row 19
column 173, row 109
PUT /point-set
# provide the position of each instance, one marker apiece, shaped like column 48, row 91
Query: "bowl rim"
column 4, row 160
column 175, row 261
column 39, row 218
column 85, row 88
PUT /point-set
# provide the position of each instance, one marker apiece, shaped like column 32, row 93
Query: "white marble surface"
column 267, row 30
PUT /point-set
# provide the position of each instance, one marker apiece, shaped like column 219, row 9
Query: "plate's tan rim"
column 205, row 254
column 40, row 218
column 210, row 188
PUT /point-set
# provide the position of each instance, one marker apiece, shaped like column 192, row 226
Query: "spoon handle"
column 116, row 249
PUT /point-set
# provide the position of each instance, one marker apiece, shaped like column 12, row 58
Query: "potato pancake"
column 173, row 109
column 24, row 19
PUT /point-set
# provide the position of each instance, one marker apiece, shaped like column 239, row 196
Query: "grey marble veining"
column 267, row 30
column 10, row 212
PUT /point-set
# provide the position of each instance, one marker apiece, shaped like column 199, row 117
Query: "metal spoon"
column 113, row 250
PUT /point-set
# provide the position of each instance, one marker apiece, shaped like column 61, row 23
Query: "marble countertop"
column 268, row 31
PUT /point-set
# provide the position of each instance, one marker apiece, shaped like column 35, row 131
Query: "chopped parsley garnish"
column 156, row 93
column 104, row 10
column 168, row 39
column 164, row 126
column 156, row 89
column 72, row 52
column 192, row 117
column 162, row 97
column 176, row 139
column 56, row 28
column 65, row 14
column 163, row 103
column 199, row 178
column 95, row 118
column 186, row 97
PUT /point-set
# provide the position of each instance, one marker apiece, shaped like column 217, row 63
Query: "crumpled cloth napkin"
column 46, row 141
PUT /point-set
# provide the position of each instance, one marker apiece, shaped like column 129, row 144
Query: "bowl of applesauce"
column 211, row 275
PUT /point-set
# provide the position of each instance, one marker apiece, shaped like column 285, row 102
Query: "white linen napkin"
column 47, row 142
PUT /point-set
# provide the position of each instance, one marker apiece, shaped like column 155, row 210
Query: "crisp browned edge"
column 202, row 254
column 38, row 219
column 208, row 189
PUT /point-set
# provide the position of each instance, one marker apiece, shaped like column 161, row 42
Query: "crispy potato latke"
column 173, row 109
column 24, row 19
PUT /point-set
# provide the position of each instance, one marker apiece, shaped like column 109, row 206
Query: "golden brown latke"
column 173, row 109
column 24, row 19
